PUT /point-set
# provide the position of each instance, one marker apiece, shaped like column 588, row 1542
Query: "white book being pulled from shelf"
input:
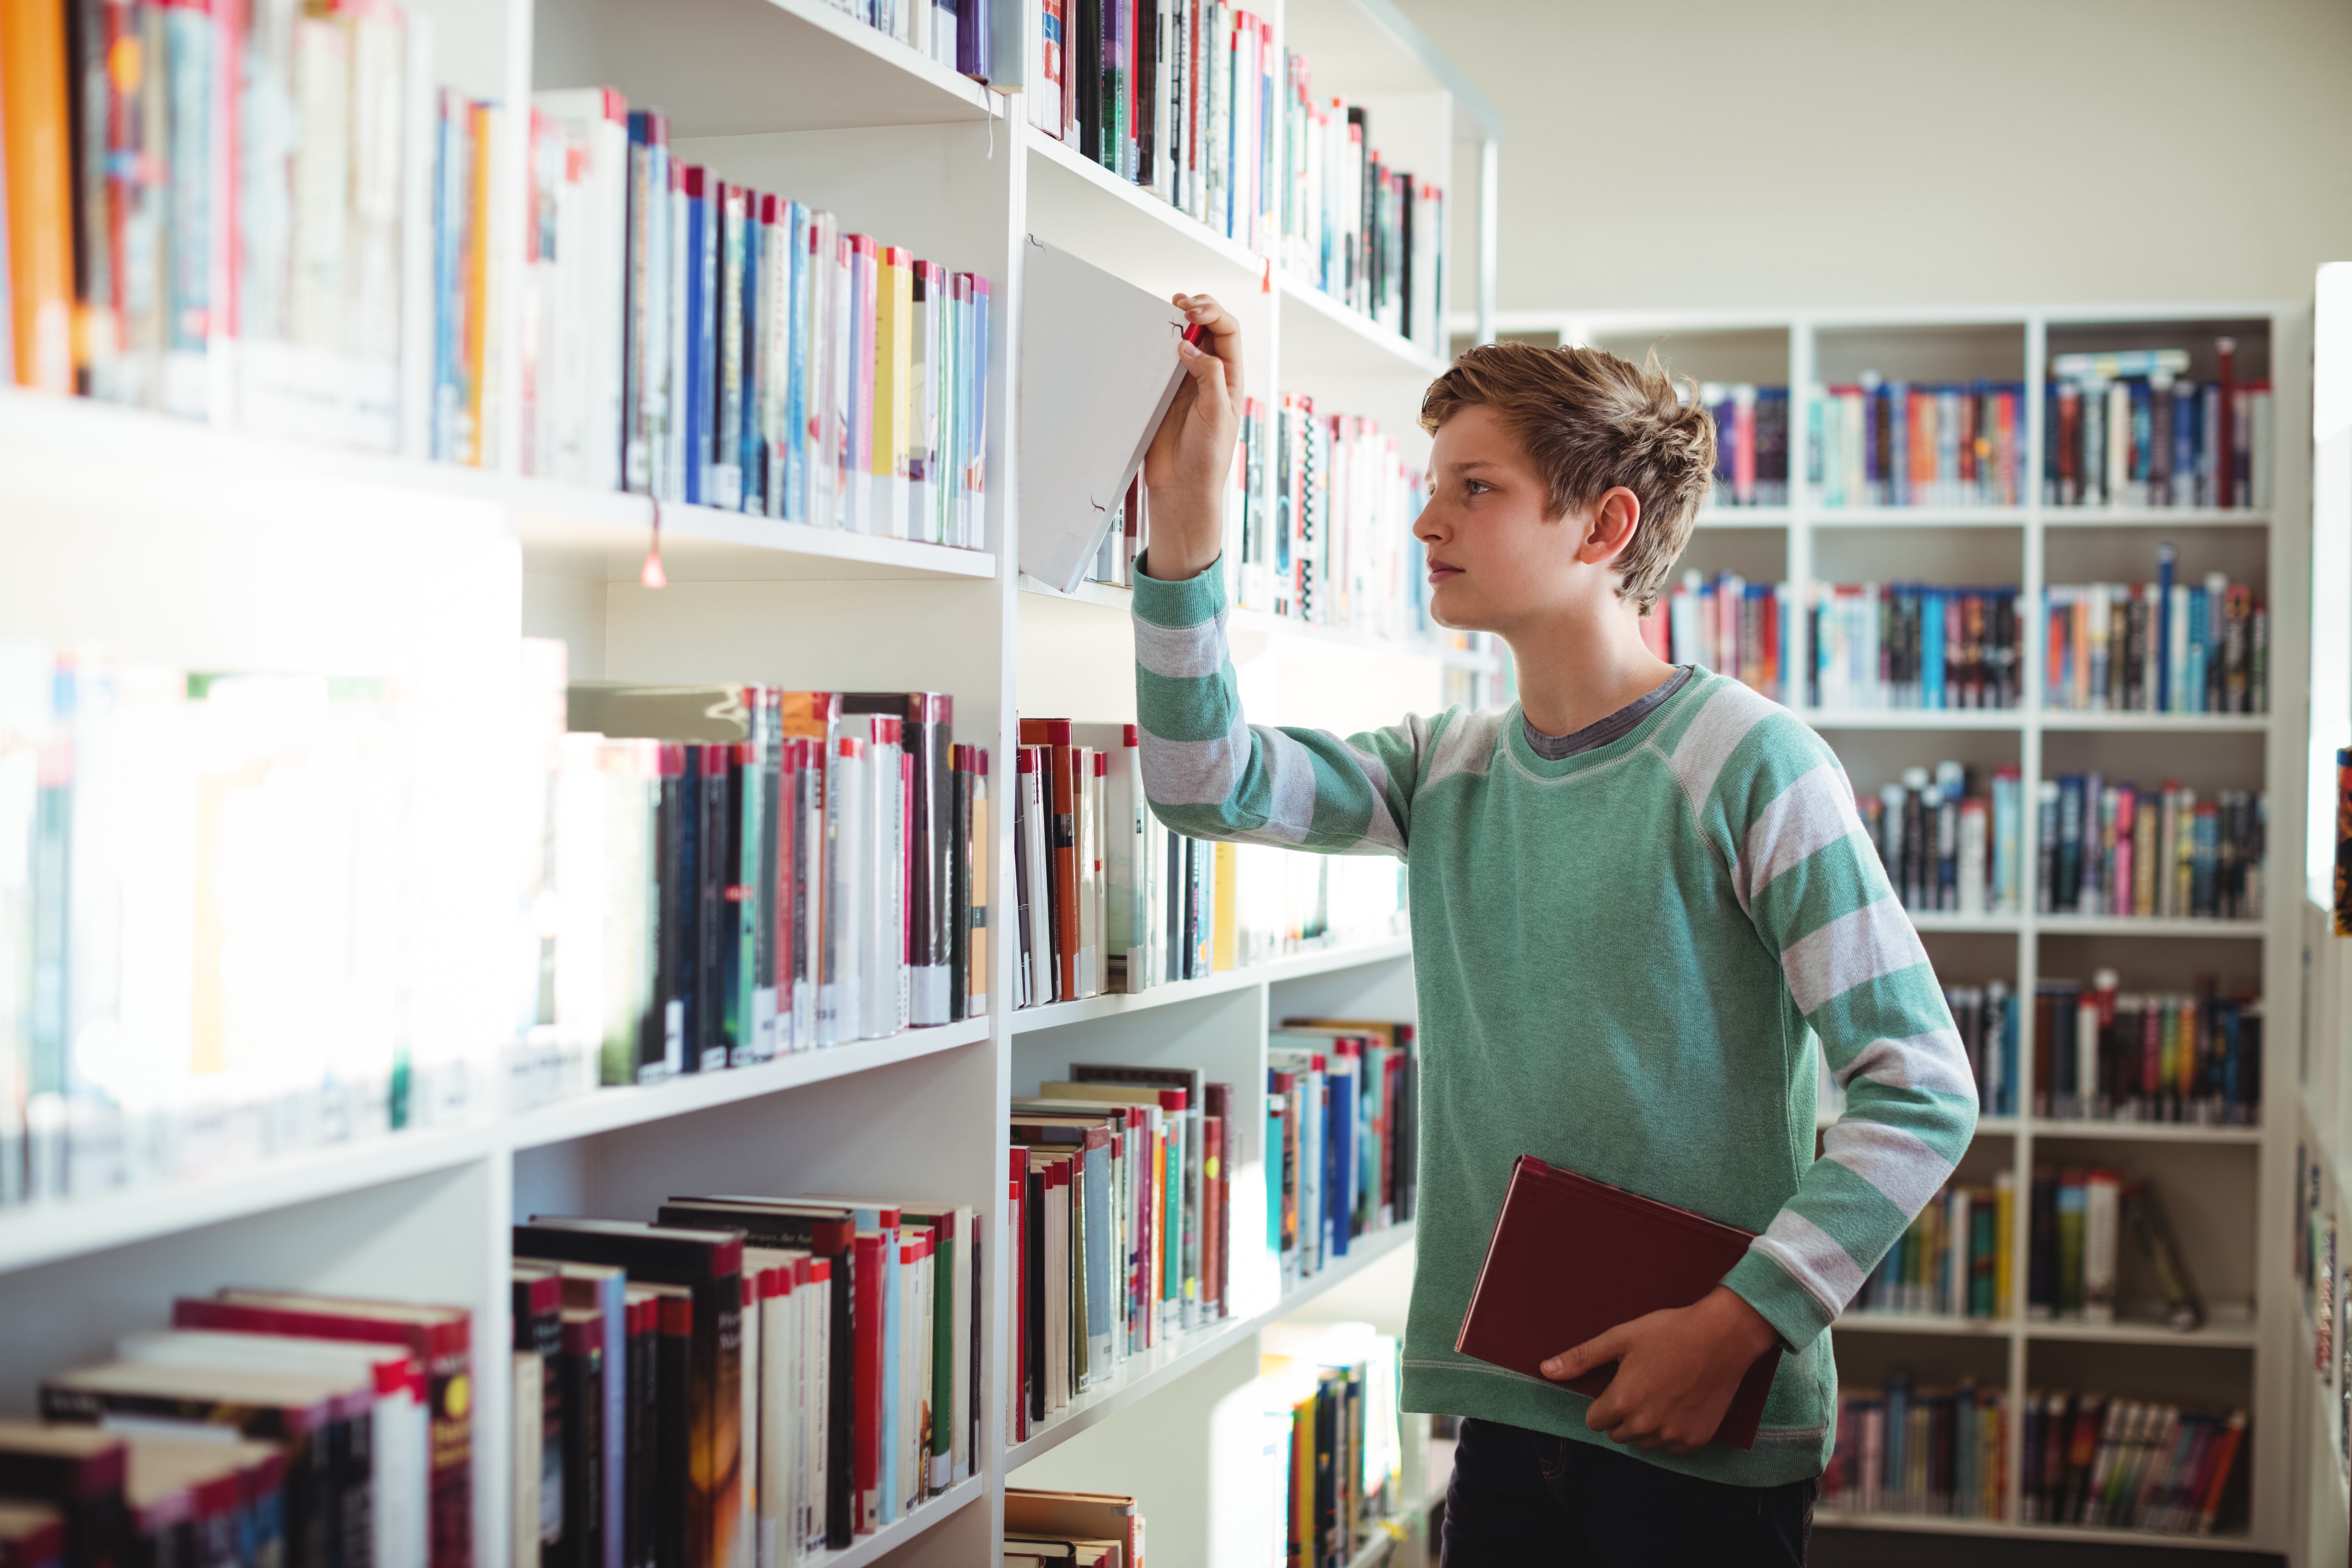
column 1098, row 369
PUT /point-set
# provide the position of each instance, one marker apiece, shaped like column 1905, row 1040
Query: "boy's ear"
column 1613, row 519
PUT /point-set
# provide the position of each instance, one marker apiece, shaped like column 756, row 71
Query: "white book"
column 882, row 964
column 817, row 1412
column 525, row 1417
column 2101, row 1224
column 1045, row 975
column 599, row 118
column 1955, row 1267
column 751, row 1322
column 841, row 1004
column 1096, row 372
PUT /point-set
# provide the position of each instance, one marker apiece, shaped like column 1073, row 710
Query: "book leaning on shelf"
column 694, row 340
column 2129, row 428
column 2074, row 1226
column 2114, row 1055
column 2165, row 646
column 278, row 220
column 2122, row 851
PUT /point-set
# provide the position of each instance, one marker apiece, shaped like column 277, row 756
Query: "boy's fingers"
column 1207, row 373
column 1583, row 1358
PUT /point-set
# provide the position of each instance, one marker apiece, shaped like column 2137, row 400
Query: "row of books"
column 1954, row 1259
column 1335, row 547
column 1903, row 1449
column 2128, row 429
column 1895, row 443
column 1368, row 234
column 2116, row 849
column 730, row 873
column 1122, row 1208
column 812, row 1363
column 953, row 32
column 694, row 340
column 1751, row 443
column 1333, row 1442
column 2104, row 1054
column 272, row 219
column 1727, row 624
column 238, row 913
column 1342, row 1138
column 1092, row 1529
column 1944, row 847
column 2128, row 1464
column 2075, row 1223
column 1913, row 645
column 2158, row 647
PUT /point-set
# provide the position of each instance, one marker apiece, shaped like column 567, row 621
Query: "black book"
column 579, row 1376
column 1032, row 1328
column 2042, row 1247
column 829, row 1233
column 1148, row 24
column 709, row 1264
column 81, row 1471
column 639, row 1504
column 714, row 928
column 1028, row 989
column 670, row 1519
column 960, row 883
column 1082, row 70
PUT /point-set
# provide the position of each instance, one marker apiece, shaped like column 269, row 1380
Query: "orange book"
column 478, row 452
column 1061, row 841
column 38, row 171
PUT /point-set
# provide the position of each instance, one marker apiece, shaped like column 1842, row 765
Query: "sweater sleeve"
column 1805, row 870
column 1210, row 775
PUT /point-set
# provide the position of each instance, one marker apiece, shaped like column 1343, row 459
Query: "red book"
column 1571, row 1259
column 1018, row 1234
column 867, row 1316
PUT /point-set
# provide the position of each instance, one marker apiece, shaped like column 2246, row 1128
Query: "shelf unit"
column 215, row 549
column 2228, row 1187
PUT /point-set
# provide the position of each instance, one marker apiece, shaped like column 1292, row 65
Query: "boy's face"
column 1495, row 562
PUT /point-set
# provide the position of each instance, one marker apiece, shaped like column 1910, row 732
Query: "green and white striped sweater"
column 1622, row 958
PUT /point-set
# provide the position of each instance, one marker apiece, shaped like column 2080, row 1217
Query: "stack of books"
column 1913, row 645
column 2114, row 1056
column 1893, row 443
column 235, row 918
column 2121, row 851
column 1343, row 1117
column 1333, row 1447
column 1954, row 1260
column 267, row 1427
column 697, row 340
column 1122, row 1215
column 1945, row 849
column 2163, row 647
column 1902, row 1449
column 2128, row 429
column 2075, row 1225
column 1751, row 443
column 1094, row 1529
column 1728, row 624
column 2127, row 1464
column 717, row 875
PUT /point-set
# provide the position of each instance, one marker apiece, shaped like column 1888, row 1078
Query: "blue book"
column 701, row 330
column 1931, row 632
column 1340, row 1158
column 1100, row 1284
column 800, row 339
column 449, row 289
column 2143, row 437
column 2070, row 841
column 1899, row 444
column 2192, row 695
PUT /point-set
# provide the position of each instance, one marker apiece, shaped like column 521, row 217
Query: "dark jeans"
column 1520, row 1498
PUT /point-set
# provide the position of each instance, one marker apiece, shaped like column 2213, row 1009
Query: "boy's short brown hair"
column 1592, row 421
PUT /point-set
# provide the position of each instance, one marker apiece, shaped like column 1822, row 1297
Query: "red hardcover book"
column 1571, row 1259
column 440, row 1337
column 867, row 1316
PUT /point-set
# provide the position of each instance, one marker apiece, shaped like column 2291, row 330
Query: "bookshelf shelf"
column 1924, row 1323
column 1904, row 517
column 610, row 1110
column 1745, row 517
column 1171, row 1359
column 889, row 1538
column 729, row 67
column 2155, row 516
column 2131, row 925
column 1925, row 921
column 1928, row 718
column 2157, row 723
column 1296, row 966
column 2226, row 1333
column 600, row 536
column 1323, row 337
column 2144, row 1131
column 1931, row 1524
column 1076, row 204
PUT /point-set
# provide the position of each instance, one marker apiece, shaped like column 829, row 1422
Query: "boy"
column 1637, row 897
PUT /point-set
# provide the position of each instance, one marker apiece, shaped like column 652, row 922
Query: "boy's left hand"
column 1677, row 1371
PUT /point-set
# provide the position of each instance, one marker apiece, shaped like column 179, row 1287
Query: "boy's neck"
column 1577, row 670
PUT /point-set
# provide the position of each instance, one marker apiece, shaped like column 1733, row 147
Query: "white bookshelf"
column 215, row 549
column 2227, row 1189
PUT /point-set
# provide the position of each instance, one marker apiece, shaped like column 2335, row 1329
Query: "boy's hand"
column 1677, row 1371
column 1191, row 456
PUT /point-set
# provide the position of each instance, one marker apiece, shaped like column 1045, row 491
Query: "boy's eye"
column 1477, row 487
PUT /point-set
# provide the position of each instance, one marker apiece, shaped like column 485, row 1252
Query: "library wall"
column 1710, row 155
